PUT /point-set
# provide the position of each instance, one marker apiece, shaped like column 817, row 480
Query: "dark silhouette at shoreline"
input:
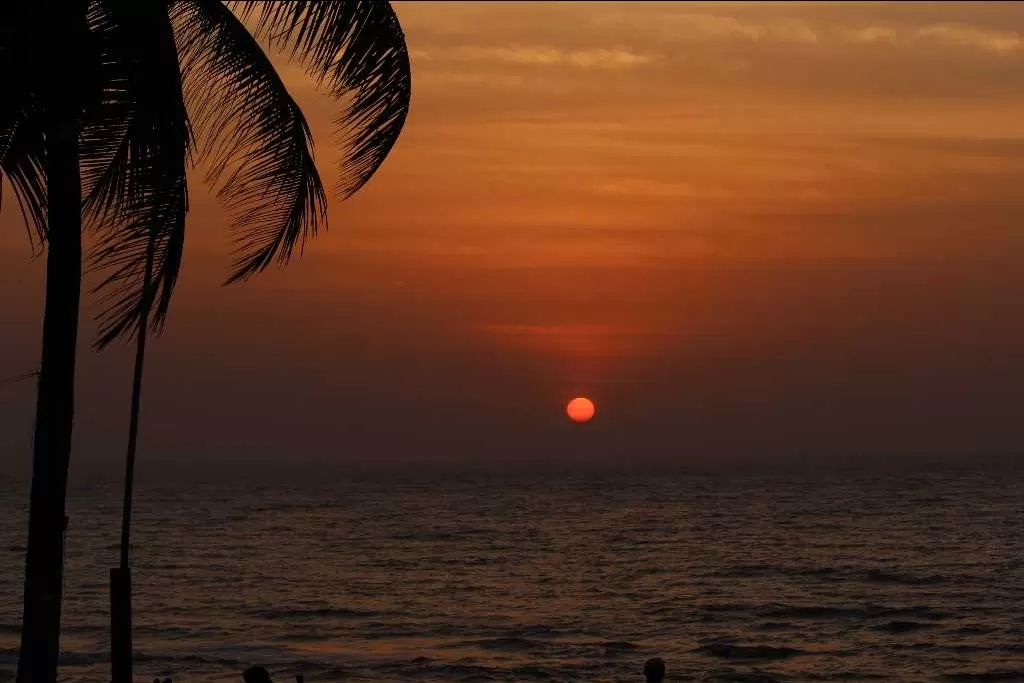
column 256, row 674
column 654, row 670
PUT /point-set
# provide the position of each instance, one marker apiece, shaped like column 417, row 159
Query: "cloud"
column 785, row 30
column 872, row 34
column 799, row 32
column 685, row 27
column 681, row 27
column 996, row 42
column 538, row 55
column 1001, row 43
column 607, row 59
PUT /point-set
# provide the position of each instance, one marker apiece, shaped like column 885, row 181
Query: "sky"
column 748, row 231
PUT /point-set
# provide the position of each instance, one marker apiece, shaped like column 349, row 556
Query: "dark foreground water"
column 896, row 579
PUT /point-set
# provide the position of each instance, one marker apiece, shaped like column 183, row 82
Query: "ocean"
column 547, row 578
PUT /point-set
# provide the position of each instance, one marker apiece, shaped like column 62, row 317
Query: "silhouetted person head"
column 654, row 670
column 256, row 674
column 167, row 680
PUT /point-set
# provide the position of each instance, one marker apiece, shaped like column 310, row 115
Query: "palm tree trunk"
column 120, row 578
column 44, row 558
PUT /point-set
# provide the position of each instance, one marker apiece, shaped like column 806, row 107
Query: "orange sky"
column 746, row 229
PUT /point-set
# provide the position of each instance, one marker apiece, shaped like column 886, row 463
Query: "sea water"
column 544, row 578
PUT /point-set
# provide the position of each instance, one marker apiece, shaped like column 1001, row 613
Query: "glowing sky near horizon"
column 754, row 229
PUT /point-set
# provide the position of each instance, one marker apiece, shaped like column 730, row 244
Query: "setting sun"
column 580, row 409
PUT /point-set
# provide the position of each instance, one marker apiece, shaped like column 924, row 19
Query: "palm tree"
column 120, row 577
column 106, row 105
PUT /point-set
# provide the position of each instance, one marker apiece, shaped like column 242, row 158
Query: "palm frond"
column 135, row 150
column 153, row 239
column 21, row 137
column 352, row 49
column 254, row 134
column 105, row 142
column 23, row 164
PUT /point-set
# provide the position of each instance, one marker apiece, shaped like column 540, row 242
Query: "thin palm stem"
column 133, row 423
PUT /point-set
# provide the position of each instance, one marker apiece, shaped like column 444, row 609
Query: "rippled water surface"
column 729, row 579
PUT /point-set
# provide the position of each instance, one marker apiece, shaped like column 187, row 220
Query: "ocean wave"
column 453, row 671
column 882, row 576
column 733, row 676
column 202, row 661
column 537, row 673
column 740, row 571
column 817, row 571
column 507, row 643
column 83, row 658
column 658, row 610
column 829, row 612
column 898, row 626
column 483, row 561
column 858, row 676
column 990, row 676
column 449, row 535
column 732, row 651
column 810, row 612
column 425, row 536
column 303, row 637
column 727, row 607
column 972, row 630
column 174, row 632
column 534, row 630
column 774, row 625
column 315, row 613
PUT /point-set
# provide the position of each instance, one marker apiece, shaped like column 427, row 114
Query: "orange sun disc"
column 580, row 409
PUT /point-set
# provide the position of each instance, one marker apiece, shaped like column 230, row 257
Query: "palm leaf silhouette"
column 250, row 131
